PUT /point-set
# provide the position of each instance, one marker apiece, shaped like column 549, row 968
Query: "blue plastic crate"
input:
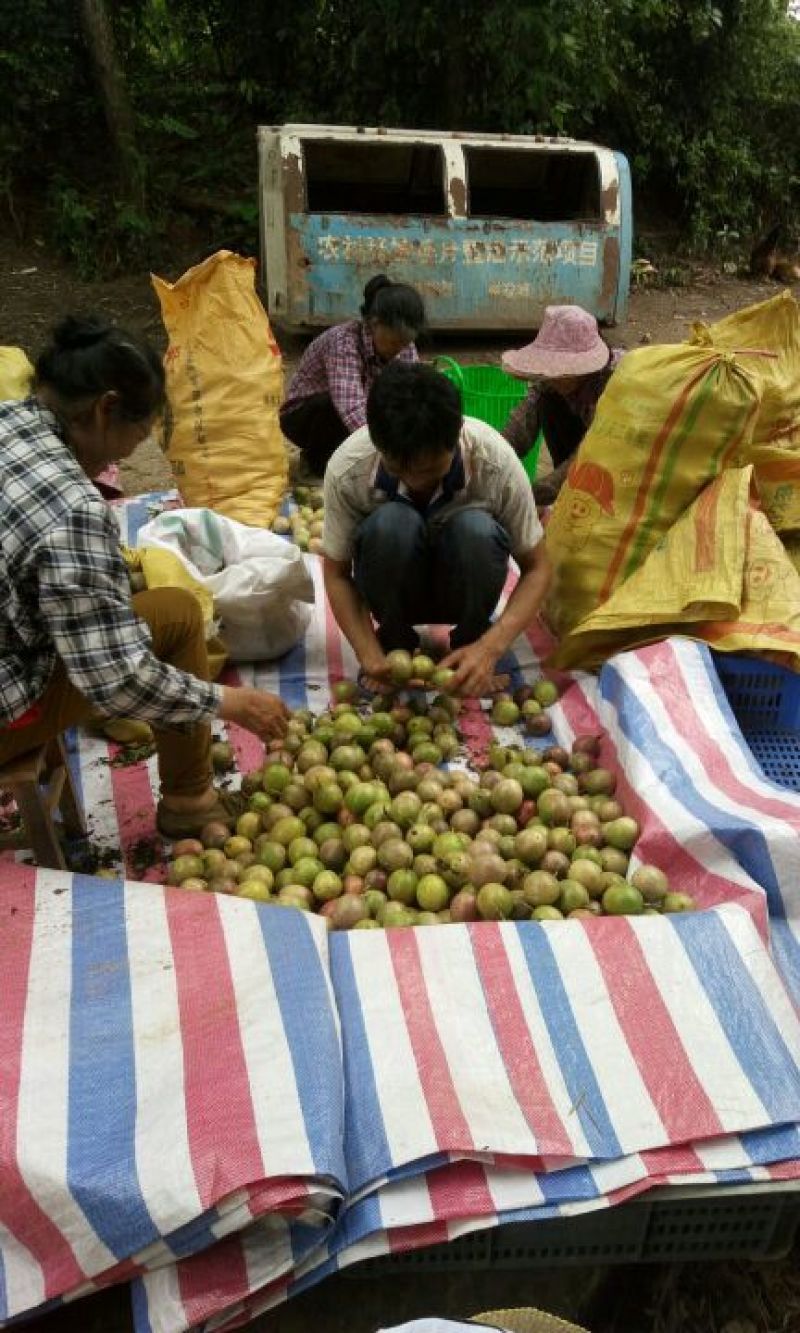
column 765, row 700
column 764, row 697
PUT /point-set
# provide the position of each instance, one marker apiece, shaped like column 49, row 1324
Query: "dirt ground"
column 37, row 289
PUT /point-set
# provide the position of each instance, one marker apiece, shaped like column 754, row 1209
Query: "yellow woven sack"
column 16, row 374
column 771, row 330
column 671, row 419
column 224, row 385
column 163, row 569
column 720, row 574
column 770, row 333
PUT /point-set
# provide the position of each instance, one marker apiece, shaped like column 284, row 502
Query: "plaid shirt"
column 64, row 590
column 343, row 362
column 523, row 425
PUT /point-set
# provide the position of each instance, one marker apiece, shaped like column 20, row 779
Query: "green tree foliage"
column 702, row 95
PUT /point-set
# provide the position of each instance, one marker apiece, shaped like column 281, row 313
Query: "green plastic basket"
column 490, row 394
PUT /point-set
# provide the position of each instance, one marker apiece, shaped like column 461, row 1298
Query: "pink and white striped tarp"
column 180, row 1106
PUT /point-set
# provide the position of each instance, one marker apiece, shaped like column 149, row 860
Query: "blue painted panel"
column 472, row 273
column 625, row 237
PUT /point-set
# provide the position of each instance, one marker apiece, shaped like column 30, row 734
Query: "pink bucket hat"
column 568, row 343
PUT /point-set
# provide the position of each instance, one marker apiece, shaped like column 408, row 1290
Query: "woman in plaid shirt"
column 73, row 641
column 327, row 397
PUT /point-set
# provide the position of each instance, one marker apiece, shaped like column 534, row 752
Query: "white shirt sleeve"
column 516, row 509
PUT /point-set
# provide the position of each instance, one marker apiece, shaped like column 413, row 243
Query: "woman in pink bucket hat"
column 570, row 365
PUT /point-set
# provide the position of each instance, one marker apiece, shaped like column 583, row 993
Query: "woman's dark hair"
column 413, row 410
column 394, row 304
column 87, row 357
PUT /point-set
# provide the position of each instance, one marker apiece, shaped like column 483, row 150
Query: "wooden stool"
column 41, row 783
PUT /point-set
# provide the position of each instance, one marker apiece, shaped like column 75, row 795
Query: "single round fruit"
column 312, row 755
column 373, row 900
column 422, row 667
column 507, row 796
column 678, row 902
column 651, row 882
column 348, row 912
column 553, row 808
column 505, row 713
column 598, row 782
column 187, row 847
column 442, row 678
column 354, row 835
column 405, row 809
column 432, row 895
column 621, row 833
column 362, row 860
column 545, row 692
column 328, row 798
column 214, row 834
column 276, row 777
column 361, row 796
column 530, row 845
column 326, row 885
column 541, row 889
column 222, row 756
column 349, row 757
column 400, row 666
column 420, row 838
column 427, row 752
column 306, row 870
column 344, row 691
column 573, row 895
column 622, row 900
column 546, row 913
column 589, row 874
column 185, row 867
column 394, row 854
column 286, row 829
column 401, row 886
column 235, row 845
column 494, row 902
column 255, row 889
column 300, row 847
column 214, row 861
column 464, row 906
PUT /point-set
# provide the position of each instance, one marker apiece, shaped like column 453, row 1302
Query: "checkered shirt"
column 343, row 362
column 64, row 590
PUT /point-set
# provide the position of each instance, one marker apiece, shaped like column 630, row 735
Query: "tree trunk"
column 114, row 93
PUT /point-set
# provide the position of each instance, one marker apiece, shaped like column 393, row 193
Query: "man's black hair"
column 413, row 410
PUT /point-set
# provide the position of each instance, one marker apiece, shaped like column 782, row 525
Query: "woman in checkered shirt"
column 73, row 640
column 327, row 397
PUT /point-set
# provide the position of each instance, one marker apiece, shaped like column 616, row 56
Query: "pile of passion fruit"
column 304, row 522
column 373, row 818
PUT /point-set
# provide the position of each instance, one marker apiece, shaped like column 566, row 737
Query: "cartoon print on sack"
column 765, row 590
column 586, row 498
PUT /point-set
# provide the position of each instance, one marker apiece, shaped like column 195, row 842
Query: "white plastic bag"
column 262, row 589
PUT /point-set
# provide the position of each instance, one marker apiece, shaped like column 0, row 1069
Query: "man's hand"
column 256, row 710
column 376, row 672
column 474, row 666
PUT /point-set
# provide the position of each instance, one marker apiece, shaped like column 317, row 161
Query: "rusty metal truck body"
column 489, row 228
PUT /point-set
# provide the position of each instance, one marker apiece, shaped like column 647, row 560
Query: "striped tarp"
column 503, row 1072
column 176, row 1102
column 162, row 1078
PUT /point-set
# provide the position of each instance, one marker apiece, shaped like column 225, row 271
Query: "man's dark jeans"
column 413, row 572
